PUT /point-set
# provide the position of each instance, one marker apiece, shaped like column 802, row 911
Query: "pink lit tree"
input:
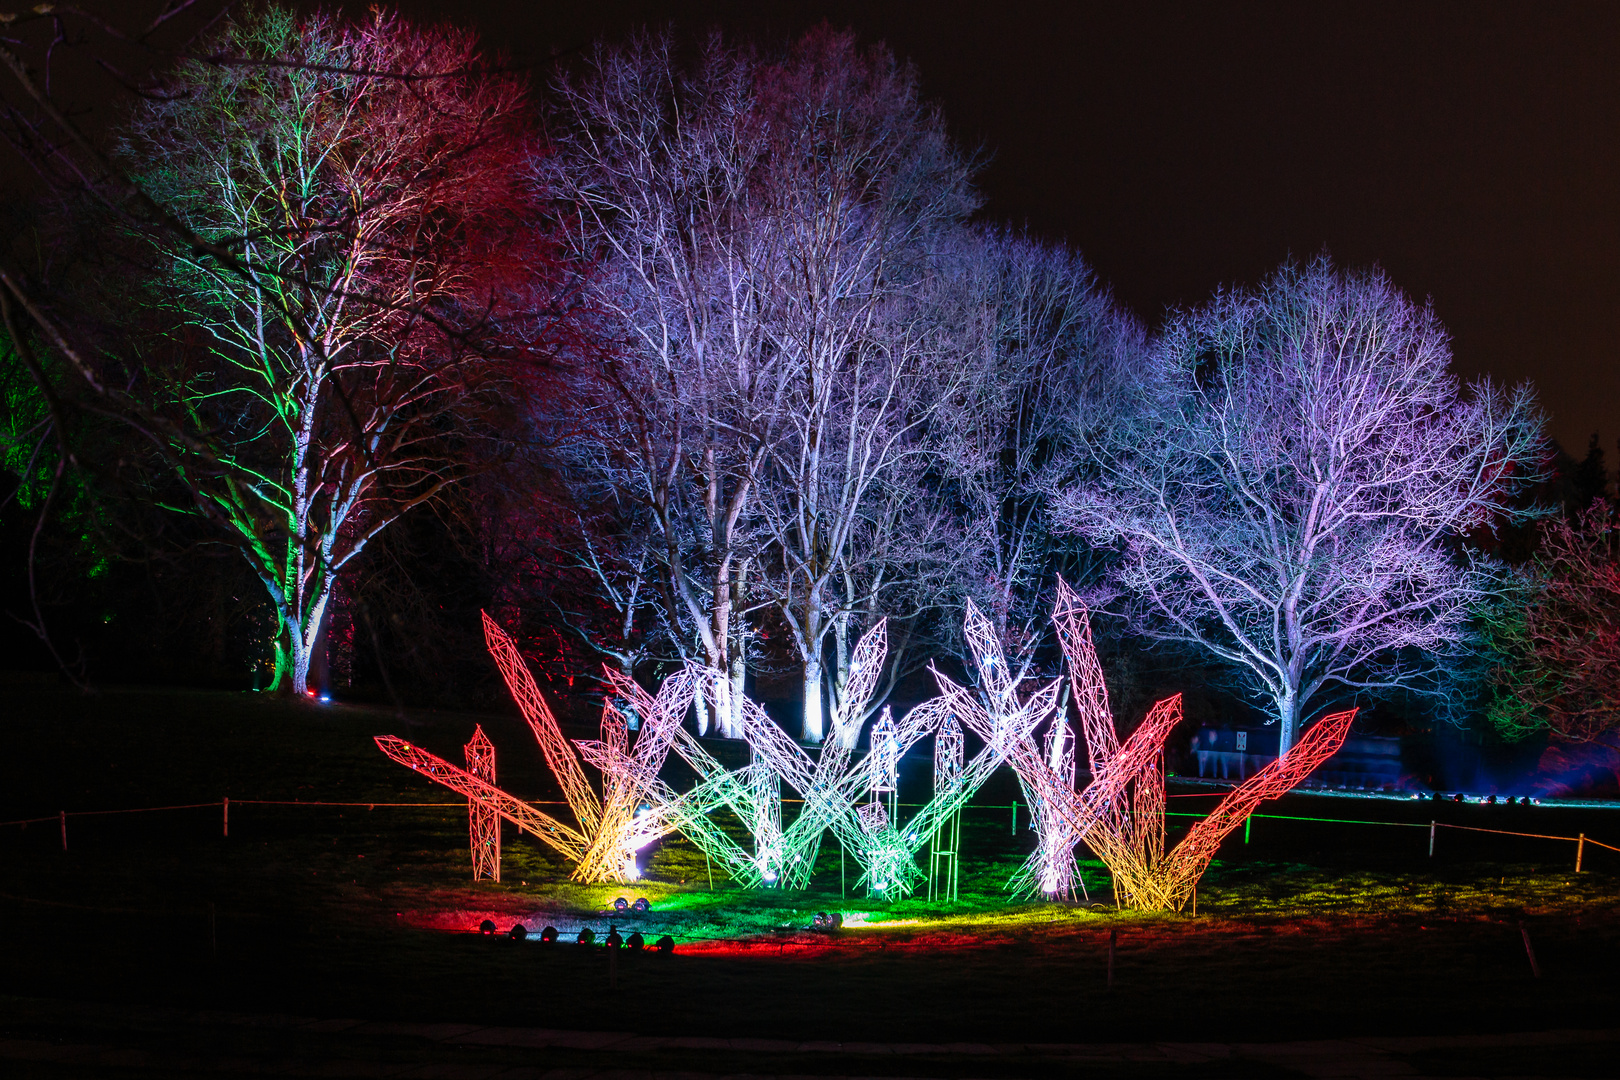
column 1292, row 494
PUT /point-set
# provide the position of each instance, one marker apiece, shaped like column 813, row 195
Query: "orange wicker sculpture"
column 483, row 821
column 634, row 809
column 1131, row 838
column 1120, row 814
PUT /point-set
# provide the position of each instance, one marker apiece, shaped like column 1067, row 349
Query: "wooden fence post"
column 1431, row 838
column 225, row 803
column 1580, row 850
column 63, row 817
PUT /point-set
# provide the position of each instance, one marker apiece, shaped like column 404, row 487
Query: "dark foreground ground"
column 1310, row 931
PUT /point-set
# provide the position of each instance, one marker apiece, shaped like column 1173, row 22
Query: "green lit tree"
column 336, row 204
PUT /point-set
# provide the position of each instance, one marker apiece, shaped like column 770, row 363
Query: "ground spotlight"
column 486, row 927
column 587, row 936
column 621, row 904
column 635, row 942
column 613, row 940
column 641, row 905
column 665, row 944
column 549, row 935
column 518, row 932
column 827, row 922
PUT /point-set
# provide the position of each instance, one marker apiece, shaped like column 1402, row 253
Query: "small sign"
column 1242, row 740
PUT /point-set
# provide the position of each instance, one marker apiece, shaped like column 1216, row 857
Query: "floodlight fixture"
column 486, row 927
column 621, row 904
column 665, row 944
column 518, row 932
column 586, row 936
column 548, row 936
column 641, row 906
column 635, row 942
column 614, row 939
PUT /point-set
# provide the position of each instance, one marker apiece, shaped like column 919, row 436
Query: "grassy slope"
column 1309, row 930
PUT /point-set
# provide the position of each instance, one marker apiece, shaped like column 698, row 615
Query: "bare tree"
column 1292, row 493
column 1052, row 358
column 657, row 159
column 748, row 222
column 356, row 173
column 862, row 181
column 1558, row 639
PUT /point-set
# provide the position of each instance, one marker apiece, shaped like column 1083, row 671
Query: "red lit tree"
column 327, row 209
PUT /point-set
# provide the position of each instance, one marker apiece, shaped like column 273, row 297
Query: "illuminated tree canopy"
column 1291, row 494
column 333, row 331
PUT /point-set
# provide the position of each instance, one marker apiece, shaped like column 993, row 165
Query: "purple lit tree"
column 1050, row 353
column 753, row 226
column 1292, row 492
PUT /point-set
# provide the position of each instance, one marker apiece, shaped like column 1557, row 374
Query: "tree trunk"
column 1288, row 706
column 739, row 677
column 700, row 706
column 815, row 723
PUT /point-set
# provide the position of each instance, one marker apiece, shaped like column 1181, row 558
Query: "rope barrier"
column 1505, row 832
column 224, row 804
column 248, row 802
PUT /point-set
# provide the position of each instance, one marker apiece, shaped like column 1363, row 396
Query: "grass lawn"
column 1309, row 930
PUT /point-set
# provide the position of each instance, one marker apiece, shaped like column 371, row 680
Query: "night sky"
column 1470, row 149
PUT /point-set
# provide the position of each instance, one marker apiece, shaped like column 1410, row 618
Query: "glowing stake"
column 483, row 823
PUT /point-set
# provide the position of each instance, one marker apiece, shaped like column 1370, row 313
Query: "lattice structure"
column 1051, row 869
column 635, row 809
column 1131, row 841
column 945, row 846
column 997, row 715
column 829, row 785
column 564, row 839
column 1061, row 815
column 833, row 788
column 483, row 822
column 664, row 810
